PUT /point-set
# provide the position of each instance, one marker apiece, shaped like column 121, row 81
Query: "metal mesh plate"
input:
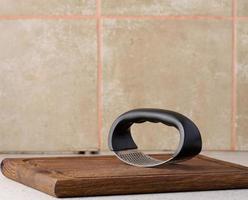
column 137, row 158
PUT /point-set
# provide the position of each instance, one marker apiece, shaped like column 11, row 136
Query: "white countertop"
column 16, row 191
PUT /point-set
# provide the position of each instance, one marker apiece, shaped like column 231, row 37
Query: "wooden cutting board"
column 106, row 175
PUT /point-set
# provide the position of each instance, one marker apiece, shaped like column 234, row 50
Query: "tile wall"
column 68, row 68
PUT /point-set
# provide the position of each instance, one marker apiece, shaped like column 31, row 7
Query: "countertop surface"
column 16, row 191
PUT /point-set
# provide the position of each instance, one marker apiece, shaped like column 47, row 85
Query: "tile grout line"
column 99, row 74
column 234, row 77
column 242, row 18
column 167, row 17
column 50, row 17
column 120, row 17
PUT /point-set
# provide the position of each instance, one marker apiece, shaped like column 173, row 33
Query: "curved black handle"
column 190, row 139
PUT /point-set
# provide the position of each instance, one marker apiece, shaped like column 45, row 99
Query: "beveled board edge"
column 62, row 186
column 28, row 176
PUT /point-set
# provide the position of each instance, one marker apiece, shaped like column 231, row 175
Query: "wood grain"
column 106, row 175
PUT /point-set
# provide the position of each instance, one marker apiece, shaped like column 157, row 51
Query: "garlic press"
column 120, row 139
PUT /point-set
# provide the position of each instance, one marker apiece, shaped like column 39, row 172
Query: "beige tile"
column 242, row 86
column 242, row 7
column 167, row 7
column 47, row 7
column 179, row 65
column 48, row 85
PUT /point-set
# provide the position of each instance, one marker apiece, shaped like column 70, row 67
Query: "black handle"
column 190, row 139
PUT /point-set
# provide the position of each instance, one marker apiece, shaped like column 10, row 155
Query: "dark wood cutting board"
column 106, row 175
